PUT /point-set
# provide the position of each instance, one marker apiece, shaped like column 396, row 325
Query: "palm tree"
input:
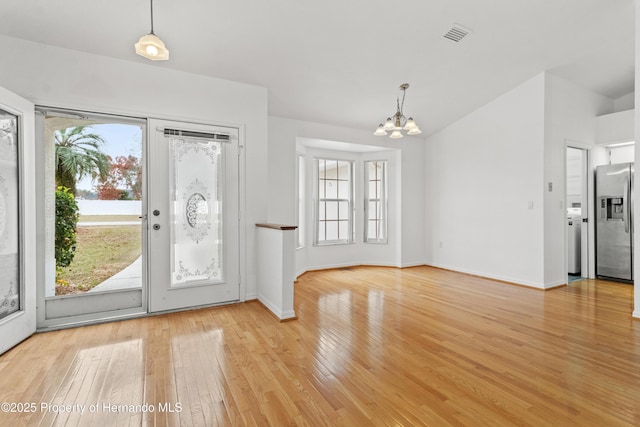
column 78, row 155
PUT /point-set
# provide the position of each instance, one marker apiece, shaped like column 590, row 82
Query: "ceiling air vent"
column 456, row 33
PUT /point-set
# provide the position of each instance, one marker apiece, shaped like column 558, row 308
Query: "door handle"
column 625, row 207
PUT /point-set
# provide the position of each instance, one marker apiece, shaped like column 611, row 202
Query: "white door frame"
column 22, row 324
column 587, row 229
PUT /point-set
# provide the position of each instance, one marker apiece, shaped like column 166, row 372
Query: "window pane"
column 332, row 190
column 321, row 231
column 371, row 231
column 321, row 168
column 373, row 190
column 373, row 209
column 343, row 210
column 332, row 230
column 371, row 169
column 321, row 211
column 344, row 230
column 343, row 189
column 343, row 172
column 332, row 169
column 332, row 210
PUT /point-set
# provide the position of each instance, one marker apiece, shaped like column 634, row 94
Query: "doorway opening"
column 93, row 185
column 577, row 256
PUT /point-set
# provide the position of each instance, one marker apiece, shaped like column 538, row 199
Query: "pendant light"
column 150, row 46
column 399, row 122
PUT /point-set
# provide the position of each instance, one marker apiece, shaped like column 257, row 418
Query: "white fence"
column 110, row 207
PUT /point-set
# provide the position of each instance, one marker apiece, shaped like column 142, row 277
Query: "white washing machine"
column 574, row 225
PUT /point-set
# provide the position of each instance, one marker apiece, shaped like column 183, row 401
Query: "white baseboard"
column 282, row 315
column 498, row 277
column 412, row 264
column 502, row 278
column 365, row 264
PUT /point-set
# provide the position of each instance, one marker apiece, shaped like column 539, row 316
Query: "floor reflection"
column 335, row 332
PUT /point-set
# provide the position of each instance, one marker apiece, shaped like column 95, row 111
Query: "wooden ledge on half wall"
column 277, row 226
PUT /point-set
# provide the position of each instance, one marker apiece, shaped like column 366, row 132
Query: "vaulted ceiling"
column 341, row 62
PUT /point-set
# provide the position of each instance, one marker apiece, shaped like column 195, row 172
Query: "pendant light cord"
column 400, row 107
column 152, row 17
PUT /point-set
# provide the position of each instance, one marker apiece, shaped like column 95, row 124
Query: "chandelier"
column 398, row 122
column 150, row 46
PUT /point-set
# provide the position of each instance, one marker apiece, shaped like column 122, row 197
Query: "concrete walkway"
column 129, row 277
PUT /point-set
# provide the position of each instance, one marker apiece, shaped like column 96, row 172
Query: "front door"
column 193, row 215
column 17, row 220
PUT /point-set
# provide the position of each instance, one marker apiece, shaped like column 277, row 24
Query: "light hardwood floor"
column 371, row 346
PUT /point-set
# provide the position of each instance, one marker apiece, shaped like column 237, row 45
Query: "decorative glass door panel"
column 197, row 178
column 193, row 215
column 17, row 220
column 9, row 220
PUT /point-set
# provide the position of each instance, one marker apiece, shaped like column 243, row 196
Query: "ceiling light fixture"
column 399, row 122
column 150, row 46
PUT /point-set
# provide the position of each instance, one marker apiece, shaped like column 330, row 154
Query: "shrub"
column 66, row 220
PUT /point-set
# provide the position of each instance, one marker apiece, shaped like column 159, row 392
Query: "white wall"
column 407, row 241
column 570, row 118
column 615, row 127
column 58, row 77
column 625, row 154
column 495, row 197
column 484, row 195
column 626, row 102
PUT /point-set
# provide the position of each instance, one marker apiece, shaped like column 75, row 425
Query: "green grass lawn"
column 101, row 252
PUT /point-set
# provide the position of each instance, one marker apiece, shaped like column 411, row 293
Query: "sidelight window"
column 375, row 206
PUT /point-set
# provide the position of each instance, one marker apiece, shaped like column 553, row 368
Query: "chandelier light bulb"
column 410, row 124
column 380, row 131
column 396, row 134
column 152, row 50
column 389, row 124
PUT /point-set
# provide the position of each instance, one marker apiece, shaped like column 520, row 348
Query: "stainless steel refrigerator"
column 614, row 225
